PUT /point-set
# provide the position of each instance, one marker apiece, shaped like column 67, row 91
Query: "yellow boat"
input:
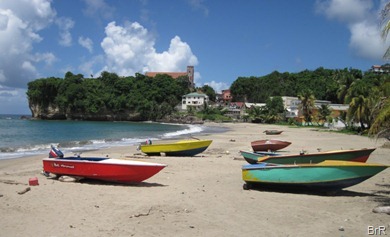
column 180, row 148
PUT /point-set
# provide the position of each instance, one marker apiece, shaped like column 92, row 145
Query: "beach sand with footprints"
column 196, row 196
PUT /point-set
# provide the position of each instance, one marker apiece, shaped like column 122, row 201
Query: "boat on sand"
column 100, row 168
column 358, row 155
column 272, row 132
column 180, row 148
column 269, row 145
column 323, row 176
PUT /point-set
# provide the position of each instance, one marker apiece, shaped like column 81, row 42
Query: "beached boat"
column 327, row 175
column 101, row 168
column 180, row 148
column 358, row 155
column 272, row 132
column 269, row 145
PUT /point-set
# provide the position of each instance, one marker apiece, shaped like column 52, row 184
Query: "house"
column 195, row 100
column 251, row 105
column 189, row 73
column 380, row 69
column 226, row 96
column 291, row 105
column 235, row 110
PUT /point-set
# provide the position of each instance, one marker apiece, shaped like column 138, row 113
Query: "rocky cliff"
column 51, row 112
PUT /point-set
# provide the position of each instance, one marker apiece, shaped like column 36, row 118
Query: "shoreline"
column 77, row 146
column 195, row 196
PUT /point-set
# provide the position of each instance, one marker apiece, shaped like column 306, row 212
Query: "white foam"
column 191, row 129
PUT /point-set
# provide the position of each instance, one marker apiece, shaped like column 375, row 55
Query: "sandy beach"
column 195, row 196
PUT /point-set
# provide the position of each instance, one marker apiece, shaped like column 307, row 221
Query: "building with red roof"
column 189, row 73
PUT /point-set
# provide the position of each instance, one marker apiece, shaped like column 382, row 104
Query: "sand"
column 196, row 196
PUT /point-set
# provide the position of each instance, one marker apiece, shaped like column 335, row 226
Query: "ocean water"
column 21, row 137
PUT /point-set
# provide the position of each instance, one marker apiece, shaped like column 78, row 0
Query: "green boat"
column 324, row 176
column 358, row 155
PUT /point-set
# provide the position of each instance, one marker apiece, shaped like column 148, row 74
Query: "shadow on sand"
column 382, row 196
column 108, row 183
column 315, row 192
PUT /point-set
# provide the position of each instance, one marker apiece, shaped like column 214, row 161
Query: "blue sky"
column 223, row 39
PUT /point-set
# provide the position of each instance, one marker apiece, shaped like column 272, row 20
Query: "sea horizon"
column 28, row 137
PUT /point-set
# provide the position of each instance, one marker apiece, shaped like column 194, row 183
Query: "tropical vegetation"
column 144, row 97
column 366, row 93
column 154, row 98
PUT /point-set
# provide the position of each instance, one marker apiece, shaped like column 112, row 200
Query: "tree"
column 307, row 105
column 257, row 114
column 274, row 108
column 385, row 22
column 344, row 79
column 209, row 91
column 324, row 112
column 360, row 103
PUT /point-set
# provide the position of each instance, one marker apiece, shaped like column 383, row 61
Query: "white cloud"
column 48, row 58
column 86, row 68
column 98, row 8
column 86, row 43
column 20, row 22
column 366, row 40
column 65, row 25
column 362, row 22
column 198, row 5
column 348, row 11
column 218, row 86
column 130, row 49
column 13, row 101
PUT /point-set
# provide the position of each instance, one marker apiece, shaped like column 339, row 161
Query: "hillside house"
column 196, row 100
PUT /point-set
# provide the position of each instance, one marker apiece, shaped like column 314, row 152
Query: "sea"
column 20, row 137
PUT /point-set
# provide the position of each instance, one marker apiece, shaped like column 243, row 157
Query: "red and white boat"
column 101, row 168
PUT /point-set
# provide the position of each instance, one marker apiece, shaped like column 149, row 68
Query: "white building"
column 196, row 100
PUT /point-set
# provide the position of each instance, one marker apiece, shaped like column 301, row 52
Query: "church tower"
column 190, row 74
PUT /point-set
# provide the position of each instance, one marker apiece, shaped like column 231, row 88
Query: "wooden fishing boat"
column 180, row 148
column 358, row 155
column 101, row 168
column 269, row 145
column 272, row 132
column 326, row 175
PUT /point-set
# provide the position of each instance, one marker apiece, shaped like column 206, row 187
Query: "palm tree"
column 381, row 125
column 360, row 104
column 381, row 111
column 345, row 79
column 359, row 111
column 307, row 105
column 256, row 113
column 324, row 112
column 385, row 22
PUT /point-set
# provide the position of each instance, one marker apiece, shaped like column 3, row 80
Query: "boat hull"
column 113, row 170
column 272, row 132
column 269, row 145
column 327, row 175
column 181, row 148
column 358, row 155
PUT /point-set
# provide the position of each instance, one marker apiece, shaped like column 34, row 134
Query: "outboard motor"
column 55, row 153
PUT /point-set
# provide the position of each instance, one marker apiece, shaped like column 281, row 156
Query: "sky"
column 222, row 39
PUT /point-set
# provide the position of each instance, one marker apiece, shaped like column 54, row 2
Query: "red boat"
column 269, row 145
column 101, row 168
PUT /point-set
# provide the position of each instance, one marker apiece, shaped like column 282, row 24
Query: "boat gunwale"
column 104, row 162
